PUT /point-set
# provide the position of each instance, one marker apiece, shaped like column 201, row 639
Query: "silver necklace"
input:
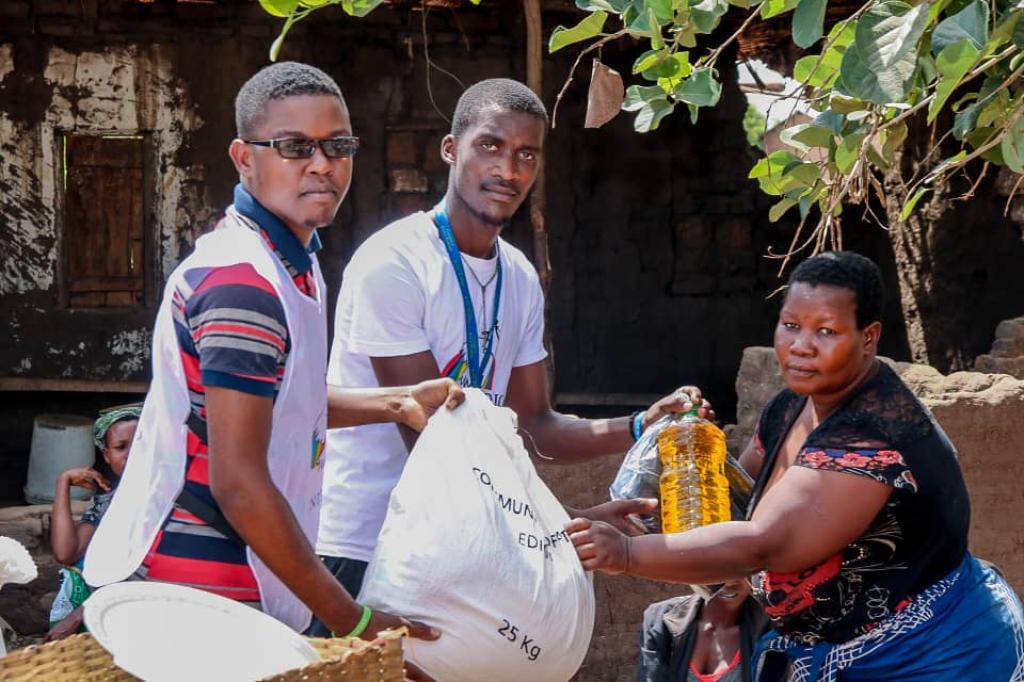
column 484, row 333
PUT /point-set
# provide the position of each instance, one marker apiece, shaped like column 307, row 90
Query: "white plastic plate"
column 160, row 632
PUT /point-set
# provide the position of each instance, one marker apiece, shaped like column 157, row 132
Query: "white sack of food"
column 473, row 544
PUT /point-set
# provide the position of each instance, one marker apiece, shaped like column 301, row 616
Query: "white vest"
column 155, row 473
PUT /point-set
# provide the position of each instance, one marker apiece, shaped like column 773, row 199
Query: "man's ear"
column 242, row 156
column 448, row 149
column 872, row 335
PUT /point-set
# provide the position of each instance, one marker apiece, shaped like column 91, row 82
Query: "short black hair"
column 851, row 271
column 277, row 81
column 495, row 94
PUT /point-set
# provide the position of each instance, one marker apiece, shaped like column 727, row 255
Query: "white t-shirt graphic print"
column 399, row 296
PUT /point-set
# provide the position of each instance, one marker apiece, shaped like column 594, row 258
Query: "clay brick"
column 257, row 31
column 401, row 149
column 694, row 233
column 14, row 9
column 64, row 8
column 407, row 180
column 735, row 234
column 62, row 28
column 432, row 161
column 406, row 204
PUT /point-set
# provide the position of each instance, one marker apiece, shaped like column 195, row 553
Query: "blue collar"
column 286, row 243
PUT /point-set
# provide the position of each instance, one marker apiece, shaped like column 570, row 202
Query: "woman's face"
column 731, row 595
column 819, row 347
column 119, row 442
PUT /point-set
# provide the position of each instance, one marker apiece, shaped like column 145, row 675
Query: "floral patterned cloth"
column 884, row 433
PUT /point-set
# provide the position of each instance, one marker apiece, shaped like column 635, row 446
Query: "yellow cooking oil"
column 693, row 484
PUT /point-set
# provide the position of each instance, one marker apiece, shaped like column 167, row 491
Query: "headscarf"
column 111, row 417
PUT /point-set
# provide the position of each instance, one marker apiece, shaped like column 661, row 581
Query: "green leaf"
column 847, row 105
column 769, row 171
column 650, row 115
column 979, row 136
column 908, row 207
column 616, row 6
column 279, row 8
column 639, row 95
column 777, row 211
column 657, row 40
column 965, row 121
column 831, row 120
column 649, row 60
column 700, row 89
column 815, row 136
column 879, row 65
column 848, row 152
column 818, row 71
column 687, row 37
column 694, row 112
column 359, row 8
column 707, row 13
column 955, row 60
column 842, row 35
column 1012, row 146
column 812, row 66
column 801, row 175
column 892, row 139
column 971, row 23
column 662, row 9
column 788, row 138
column 773, row 8
column 808, row 22
column 630, row 15
column 875, row 158
column 674, row 67
column 1018, row 33
column 1006, row 29
column 994, row 110
column 586, row 29
column 945, row 164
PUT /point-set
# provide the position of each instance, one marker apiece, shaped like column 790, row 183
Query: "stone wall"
column 983, row 414
column 1007, row 354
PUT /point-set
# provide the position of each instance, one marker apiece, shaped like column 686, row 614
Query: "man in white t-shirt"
column 441, row 293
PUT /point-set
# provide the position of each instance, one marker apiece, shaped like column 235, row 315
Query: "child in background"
column 114, row 431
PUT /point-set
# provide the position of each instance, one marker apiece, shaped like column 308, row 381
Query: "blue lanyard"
column 475, row 363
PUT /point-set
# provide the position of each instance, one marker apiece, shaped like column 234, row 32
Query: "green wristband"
column 360, row 627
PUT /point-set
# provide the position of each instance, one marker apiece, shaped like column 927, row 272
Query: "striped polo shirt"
column 232, row 332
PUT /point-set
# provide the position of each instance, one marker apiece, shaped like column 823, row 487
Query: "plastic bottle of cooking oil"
column 694, row 488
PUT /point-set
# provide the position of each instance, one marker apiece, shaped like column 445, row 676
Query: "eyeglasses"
column 302, row 148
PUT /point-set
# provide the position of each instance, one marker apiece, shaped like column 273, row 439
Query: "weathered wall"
column 1007, row 353
column 650, row 235
column 983, row 414
column 48, row 91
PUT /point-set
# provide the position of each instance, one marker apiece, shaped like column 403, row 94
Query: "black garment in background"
column 349, row 572
column 918, row 537
column 669, row 634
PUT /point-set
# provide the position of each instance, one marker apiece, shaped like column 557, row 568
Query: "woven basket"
column 80, row 657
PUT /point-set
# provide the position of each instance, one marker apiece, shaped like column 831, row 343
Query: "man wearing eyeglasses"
column 223, row 491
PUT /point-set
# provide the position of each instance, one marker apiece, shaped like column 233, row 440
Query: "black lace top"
column 883, row 432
